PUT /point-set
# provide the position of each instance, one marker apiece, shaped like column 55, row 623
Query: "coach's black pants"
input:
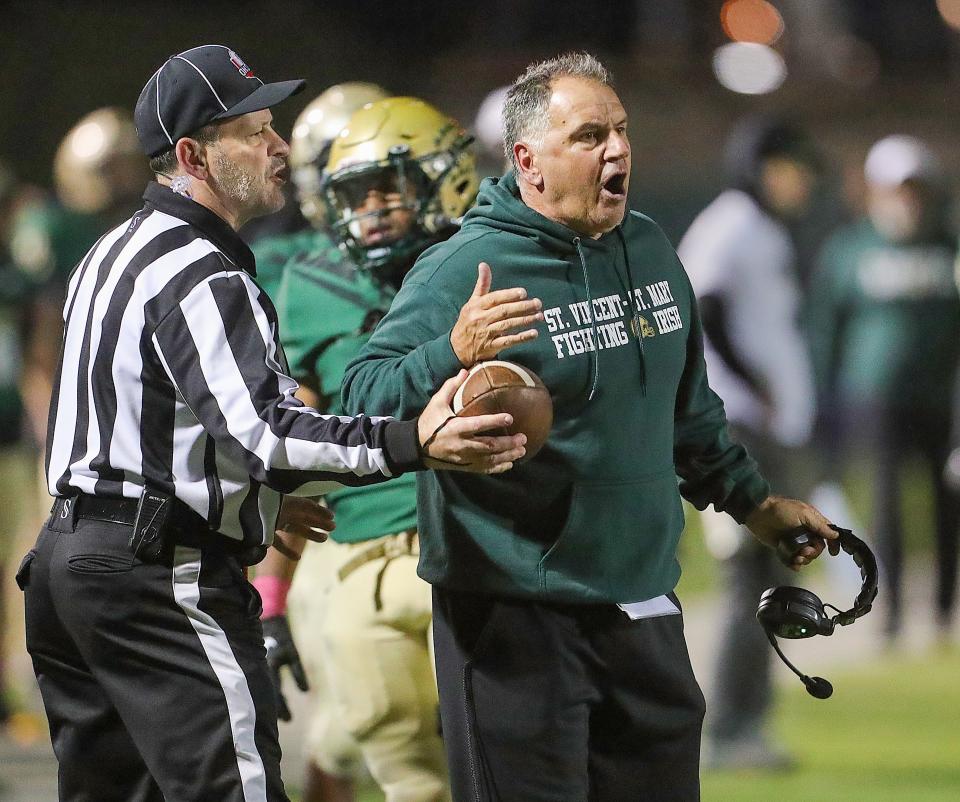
column 153, row 675
column 564, row 703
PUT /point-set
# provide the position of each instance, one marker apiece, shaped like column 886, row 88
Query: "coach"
column 174, row 433
column 561, row 662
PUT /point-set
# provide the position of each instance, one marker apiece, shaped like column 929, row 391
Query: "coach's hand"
column 301, row 518
column 281, row 652
column 488, row 320
column 458, row 444
column 776, row 516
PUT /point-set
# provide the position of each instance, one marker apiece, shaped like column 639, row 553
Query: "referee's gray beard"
column 233, row 181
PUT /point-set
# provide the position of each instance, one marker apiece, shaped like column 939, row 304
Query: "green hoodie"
column 596, row 515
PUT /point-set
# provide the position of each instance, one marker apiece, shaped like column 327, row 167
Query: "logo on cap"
column 241, row 66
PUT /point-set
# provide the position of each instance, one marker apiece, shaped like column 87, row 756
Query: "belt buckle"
column 398, row 545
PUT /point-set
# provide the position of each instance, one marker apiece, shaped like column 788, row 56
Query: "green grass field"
column 892, row 734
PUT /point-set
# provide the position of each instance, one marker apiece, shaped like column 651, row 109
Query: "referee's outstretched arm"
column 218, row 349
column 234, row 383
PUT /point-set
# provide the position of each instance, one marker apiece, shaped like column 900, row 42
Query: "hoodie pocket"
column 619, row 541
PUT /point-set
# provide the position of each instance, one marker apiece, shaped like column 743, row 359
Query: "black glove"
column 281, row 652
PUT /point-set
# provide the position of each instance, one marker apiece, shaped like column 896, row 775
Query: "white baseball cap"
column 488, row 125
column 898, row 158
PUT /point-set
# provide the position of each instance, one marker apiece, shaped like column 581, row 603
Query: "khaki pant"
column 328, row 744
column 18, row 530
column 371, row 633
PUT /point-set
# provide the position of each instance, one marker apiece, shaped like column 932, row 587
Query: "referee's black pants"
column 565, row 703
column 153, row 675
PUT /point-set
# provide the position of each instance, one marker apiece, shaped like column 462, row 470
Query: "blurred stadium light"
column 950, row 11
column 751, row 21
column 749, row 68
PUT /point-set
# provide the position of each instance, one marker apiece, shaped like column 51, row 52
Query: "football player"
column 398, row 178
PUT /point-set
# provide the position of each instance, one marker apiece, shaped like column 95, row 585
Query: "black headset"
column 794, row 613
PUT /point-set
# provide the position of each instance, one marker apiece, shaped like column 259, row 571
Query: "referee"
column 174, row 434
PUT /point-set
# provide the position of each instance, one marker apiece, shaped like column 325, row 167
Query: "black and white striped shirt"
column 172, row 374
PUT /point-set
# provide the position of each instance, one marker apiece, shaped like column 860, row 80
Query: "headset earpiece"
column 790, row 612
column 794, row 613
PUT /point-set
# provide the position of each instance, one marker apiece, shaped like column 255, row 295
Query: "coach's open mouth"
column 615, row 186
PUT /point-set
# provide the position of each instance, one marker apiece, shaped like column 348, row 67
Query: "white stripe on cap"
column 222, row 105
column 156, row 75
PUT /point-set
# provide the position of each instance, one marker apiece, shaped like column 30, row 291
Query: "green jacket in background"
column 47, row 242
column 884, row 321
column 44, row 244
column 596, row 515
column 327, row 309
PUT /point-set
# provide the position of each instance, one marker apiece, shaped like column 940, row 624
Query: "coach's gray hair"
column 525, row 108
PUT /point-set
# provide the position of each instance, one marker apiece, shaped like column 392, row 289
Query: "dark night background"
column 858, row 69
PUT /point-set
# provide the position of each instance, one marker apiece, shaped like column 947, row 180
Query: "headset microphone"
column 816, row 686
column 819, row 687
column 795, row 613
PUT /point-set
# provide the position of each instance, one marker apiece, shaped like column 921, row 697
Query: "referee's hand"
column 464, row 444
column 281, row 652
column 301, row 518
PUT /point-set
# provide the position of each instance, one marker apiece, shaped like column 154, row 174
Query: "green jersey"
column 327, row 310
column 45, row 243
column 273, row 254
column 884, row 320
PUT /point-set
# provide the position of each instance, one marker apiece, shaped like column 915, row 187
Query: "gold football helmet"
column 314, row 132
column 397, row 155
column 99, row 164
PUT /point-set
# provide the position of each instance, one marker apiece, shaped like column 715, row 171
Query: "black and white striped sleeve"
column 220, row 350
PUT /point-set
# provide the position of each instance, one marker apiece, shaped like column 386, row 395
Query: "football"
column 498, row 386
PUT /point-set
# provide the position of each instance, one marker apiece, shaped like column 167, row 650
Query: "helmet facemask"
column 387, row 212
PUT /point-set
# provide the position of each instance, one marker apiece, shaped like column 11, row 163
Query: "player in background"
column 277, row 237
column 885, row 313
column 16, row 459
column 742, row 262
column 333, row 757
column 398, row 178
column 99, row 173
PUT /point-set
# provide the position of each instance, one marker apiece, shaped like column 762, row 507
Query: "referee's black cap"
column 198, row 87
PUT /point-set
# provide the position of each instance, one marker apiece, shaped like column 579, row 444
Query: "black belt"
column 188, row 527
column 112, row 510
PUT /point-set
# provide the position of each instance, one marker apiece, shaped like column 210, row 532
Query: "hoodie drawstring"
column 635, row 313
column 593, row 321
